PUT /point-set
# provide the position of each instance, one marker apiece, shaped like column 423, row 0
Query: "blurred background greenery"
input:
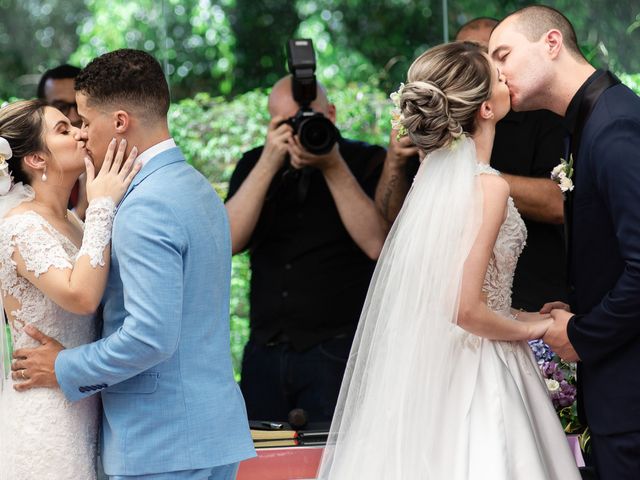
column 229, row 47
column 220, row 57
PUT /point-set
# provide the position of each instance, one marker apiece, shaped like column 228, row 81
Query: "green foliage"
column 227, row 47
column 35, row 36
column 631, row 80
column 239, row 309
column 192, row 39
column 213, row 132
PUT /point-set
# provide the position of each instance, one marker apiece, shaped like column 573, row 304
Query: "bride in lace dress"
column 52, row 276
column 440, row 383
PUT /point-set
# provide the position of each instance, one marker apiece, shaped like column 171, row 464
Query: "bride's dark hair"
column 445, row 87
column 22, row 124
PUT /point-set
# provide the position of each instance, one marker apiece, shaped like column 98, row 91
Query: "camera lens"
column 317, row 134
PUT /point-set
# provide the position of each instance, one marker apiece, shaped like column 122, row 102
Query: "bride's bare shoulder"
column 495, row 193
column 24, row 207
column 494, row 186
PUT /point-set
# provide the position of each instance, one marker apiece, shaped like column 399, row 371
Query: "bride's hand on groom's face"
column 114, row 176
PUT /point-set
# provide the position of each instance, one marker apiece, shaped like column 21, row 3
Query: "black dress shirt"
column 309, row 279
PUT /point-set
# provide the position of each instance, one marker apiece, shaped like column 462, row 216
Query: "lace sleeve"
column 97, row 230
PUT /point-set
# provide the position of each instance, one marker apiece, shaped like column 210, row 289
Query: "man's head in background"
column 477, row 30
column 56, row 87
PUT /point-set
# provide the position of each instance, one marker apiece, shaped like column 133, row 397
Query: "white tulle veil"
column 395, row 401
column 17, row 194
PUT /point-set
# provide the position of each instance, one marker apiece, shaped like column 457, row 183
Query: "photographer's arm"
column 357, row 211
column 245, row 205
column 537, row 199
column 393, row 184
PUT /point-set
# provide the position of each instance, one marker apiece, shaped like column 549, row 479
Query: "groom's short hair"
column 126, row 78
column 536, row 20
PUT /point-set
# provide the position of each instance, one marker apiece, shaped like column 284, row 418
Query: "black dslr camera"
column 316, row 132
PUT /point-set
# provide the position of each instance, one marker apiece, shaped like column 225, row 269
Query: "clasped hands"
column 556, row 334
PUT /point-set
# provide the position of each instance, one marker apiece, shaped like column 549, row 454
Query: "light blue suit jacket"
column 164, row 364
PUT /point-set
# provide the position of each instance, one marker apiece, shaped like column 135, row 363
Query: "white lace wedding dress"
column 423, row 399
column 42, row 435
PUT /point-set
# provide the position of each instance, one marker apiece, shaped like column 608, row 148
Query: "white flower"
column 5, row 185
column 5, row 154
column 566, row 185
column 562, row 174
column 557, row 171
column 5, row 149
column 395, row 96
column 552, row 385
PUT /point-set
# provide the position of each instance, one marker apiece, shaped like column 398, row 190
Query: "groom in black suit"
column 536, row 49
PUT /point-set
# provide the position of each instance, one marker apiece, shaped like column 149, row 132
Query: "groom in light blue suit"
column 172, row 409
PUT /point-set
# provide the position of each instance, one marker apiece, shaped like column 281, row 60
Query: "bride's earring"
column 44, row 174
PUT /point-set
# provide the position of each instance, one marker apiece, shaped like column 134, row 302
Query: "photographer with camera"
column 313, row 233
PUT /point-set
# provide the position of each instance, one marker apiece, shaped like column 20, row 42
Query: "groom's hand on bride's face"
column 34, row 367
column 557, row 338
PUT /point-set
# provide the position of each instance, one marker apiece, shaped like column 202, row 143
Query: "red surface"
column 282, row 464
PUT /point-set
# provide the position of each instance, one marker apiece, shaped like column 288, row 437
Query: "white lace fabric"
column 42, row 435
column 97, row 231
column 502, row 264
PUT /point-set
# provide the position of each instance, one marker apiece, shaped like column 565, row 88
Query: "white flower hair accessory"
column 396, row 115
column 5, row 175
column 562, row 174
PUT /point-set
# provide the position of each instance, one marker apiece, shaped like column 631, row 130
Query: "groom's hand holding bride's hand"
column 556, row 336
column 35, row 367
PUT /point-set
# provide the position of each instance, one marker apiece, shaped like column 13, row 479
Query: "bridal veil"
column 396, row 398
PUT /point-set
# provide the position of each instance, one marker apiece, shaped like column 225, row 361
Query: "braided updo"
column 445, row 87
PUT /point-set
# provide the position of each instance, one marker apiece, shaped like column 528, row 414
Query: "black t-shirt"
column 530, row 144
column 309, row 278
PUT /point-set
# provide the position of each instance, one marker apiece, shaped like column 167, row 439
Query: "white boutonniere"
column 5, row 176
column 563, row 173
column 396, row 114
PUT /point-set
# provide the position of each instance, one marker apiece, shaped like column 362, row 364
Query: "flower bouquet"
column 560, row 378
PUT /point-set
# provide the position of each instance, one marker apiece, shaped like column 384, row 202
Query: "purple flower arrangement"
column 560, row 378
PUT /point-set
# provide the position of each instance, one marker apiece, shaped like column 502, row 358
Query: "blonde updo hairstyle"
column 445, row 87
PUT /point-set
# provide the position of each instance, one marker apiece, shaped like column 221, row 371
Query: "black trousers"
column 617, row 457
column 276, row 379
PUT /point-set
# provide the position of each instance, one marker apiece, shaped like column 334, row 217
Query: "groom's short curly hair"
column 126, row 78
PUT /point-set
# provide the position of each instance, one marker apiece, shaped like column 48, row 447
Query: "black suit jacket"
column 604, row 272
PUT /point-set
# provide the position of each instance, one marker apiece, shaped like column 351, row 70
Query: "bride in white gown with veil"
column 440, row 383
column 53, row 270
